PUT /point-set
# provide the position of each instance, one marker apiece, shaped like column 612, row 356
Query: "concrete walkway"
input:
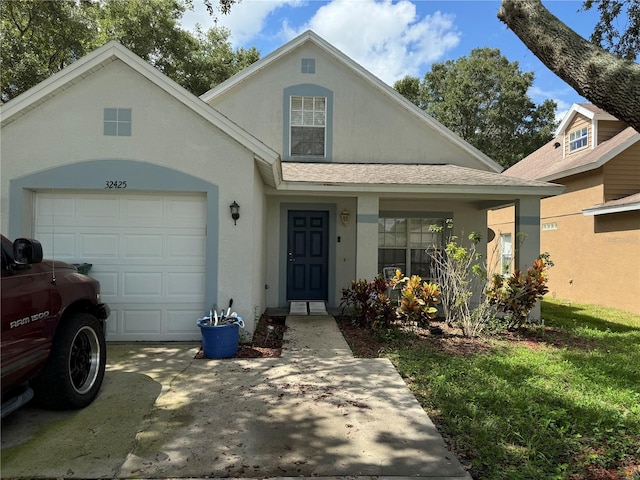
column 315, row 412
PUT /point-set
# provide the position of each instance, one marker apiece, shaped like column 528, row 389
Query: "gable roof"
column 266, row 157
column 548, row 164
column 589, row 110
column 384, row 89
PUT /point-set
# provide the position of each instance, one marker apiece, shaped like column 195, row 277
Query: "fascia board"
column 78, row 69
column 604, row 210
column 254, row 68
column 573, row 111
column 594, row 165
column 112, row 51
column 450, row 190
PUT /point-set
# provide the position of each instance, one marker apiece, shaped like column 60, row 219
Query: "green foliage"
column 618, row 29
column 518, row 293
column 568, row 408
column 417, row 299
column 483, row 98
column 39, row 38
column 369, row 303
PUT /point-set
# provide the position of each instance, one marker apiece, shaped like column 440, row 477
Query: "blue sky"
column 392, row 39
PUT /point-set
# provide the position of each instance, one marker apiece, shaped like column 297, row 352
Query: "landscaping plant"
column 417, row 299
column 369, row 303
column 461, row 277
column 518, row 293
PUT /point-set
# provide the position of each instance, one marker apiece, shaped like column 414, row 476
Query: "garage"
column 147, row 250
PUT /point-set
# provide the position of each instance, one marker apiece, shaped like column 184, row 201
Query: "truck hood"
column 58, row 264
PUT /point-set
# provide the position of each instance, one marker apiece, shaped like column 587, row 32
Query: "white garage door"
column 147, row 251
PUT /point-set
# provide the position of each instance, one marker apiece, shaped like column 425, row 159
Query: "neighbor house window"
column 308, row 122
column 578, row 139
column 117, row 122
column 408, row 244
column 506, row 253
column 308, row 65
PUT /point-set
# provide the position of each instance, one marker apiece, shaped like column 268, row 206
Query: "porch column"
column 367, row 237
column 527, row 240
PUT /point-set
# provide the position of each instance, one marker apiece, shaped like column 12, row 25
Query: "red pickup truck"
column 53, row 330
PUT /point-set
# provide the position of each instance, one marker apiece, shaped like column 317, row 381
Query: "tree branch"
column 605, row 80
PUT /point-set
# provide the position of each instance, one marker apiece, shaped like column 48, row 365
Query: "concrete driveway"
column 161, row 413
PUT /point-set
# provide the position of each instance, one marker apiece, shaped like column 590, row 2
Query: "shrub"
column 417, row 299
column 518, row 293
column 369, row 303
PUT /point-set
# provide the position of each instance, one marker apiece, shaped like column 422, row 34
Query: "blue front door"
column 307, row 255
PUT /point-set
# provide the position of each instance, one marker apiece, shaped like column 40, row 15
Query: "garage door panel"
column 141, row 321
column 143, row 212
column 64, row 243
column 186, row 246
column 185, row 211
column 98, row 210
column 182, row 321
column 55, row 210
column 142, row 283
column 143, row 246
column 98, row 245
column 185, row 285
column 148, row 252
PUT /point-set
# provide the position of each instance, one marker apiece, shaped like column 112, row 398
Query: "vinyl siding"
column 609, row 129
column 622, row 174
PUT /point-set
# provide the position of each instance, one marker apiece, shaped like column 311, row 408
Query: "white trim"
column 576, row 109
column 604, row 209
column 113, row 51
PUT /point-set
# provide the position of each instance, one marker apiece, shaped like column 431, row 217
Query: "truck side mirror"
column 27, row 251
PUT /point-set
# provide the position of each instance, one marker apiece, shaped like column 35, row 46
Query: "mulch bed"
column 267, row 339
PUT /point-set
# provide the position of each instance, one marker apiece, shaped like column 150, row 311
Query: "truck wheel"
column 74, row 371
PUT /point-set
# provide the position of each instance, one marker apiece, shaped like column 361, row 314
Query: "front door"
column 307, row 255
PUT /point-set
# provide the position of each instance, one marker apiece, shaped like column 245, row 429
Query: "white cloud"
column 389, row 39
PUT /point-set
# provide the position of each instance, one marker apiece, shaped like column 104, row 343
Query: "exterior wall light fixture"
column 344, row 217
column 235, row 211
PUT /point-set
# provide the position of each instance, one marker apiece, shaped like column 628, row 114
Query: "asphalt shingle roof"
column 547, row 162
column 398, row 174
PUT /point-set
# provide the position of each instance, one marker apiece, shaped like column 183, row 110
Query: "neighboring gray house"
column 337, row 176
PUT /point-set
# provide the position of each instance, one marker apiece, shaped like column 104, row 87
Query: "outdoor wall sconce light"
column 235, row 211
column 344, row 217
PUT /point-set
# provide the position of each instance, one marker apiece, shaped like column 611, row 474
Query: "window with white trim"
column 506, row 253
column 117, row 122
column 578, row 139
column 408, row 244
column 308, row 124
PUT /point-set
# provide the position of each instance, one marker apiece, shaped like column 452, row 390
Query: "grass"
column 559, row 402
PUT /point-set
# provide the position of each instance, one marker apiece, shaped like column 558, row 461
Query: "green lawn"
column 559, row 402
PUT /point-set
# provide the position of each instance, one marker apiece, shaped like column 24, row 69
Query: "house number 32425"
column 111, row 184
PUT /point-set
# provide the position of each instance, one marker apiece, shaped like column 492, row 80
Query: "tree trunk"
column 602, row 78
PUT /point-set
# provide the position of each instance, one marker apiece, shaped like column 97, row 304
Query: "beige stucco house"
column 592, row 230
column 336, row 177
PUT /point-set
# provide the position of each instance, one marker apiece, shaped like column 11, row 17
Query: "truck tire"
column 75, row 368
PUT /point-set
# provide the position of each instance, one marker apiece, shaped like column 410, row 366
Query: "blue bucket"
column 219, row 341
